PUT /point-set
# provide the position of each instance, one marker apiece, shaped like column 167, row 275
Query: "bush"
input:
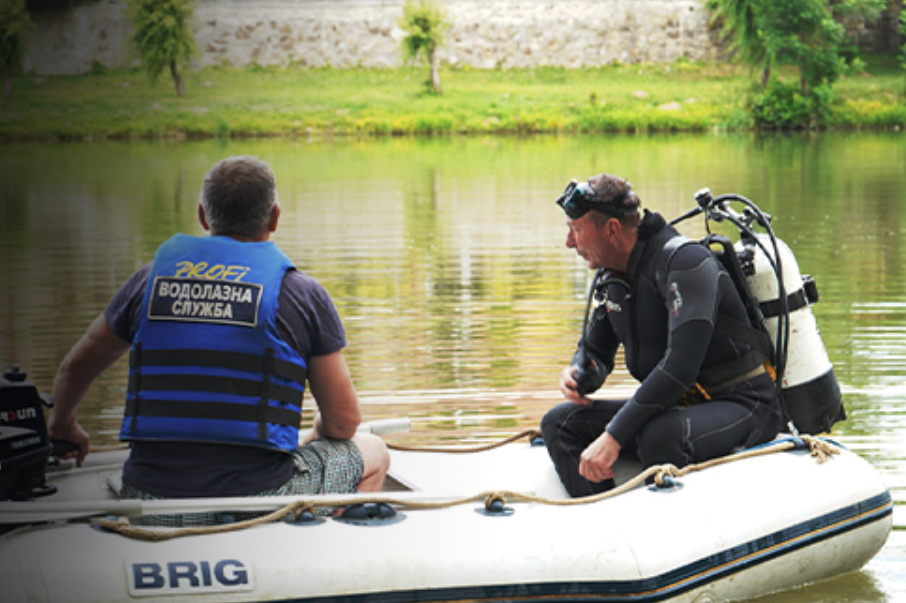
column 782, row 106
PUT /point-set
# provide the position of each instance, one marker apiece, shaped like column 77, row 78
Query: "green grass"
column 257, row 101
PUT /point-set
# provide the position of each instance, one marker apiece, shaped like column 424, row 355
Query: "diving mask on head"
column 578, row 198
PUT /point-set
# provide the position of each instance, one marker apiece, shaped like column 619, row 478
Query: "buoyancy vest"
column 751, row 332
column 207, row 363
column 646, row 295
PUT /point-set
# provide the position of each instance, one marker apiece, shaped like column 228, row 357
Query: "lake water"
column 446, row 260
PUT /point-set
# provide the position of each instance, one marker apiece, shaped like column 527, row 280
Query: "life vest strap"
column 237, row 361
column 229, row 411
column 218, row 385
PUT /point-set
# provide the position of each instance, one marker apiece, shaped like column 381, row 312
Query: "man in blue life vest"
column 704, row 390
column 223, row 334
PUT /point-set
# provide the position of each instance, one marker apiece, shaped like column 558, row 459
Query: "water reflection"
column 446, row 260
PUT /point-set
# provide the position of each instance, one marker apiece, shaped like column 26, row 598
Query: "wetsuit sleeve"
column 600, row 341
column 692, row 304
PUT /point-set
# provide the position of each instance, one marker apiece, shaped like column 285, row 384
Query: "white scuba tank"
column 810, row 390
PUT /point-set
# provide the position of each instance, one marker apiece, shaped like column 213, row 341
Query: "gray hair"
column 238, row 195
column 617, row 192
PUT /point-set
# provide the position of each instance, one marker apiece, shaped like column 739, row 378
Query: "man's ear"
column 201, row 217
column 612, row 228
column 275, row 218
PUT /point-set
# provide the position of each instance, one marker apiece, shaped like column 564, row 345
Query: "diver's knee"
column 555, row 417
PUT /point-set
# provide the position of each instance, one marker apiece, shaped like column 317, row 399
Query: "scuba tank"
column 782, row 298
column 810, row 389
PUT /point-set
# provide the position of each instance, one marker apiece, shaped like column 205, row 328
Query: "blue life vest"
column 207, row 363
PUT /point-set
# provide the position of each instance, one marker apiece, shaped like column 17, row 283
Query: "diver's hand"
column 568, row 387
column 597, row 460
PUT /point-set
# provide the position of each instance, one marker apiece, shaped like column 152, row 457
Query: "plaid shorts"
column 319, row 467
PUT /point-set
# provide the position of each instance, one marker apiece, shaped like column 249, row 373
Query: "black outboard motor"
column 24, row 446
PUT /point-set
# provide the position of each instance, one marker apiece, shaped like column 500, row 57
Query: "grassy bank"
column 300, row 102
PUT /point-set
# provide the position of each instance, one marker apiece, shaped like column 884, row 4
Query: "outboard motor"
column 24, row 446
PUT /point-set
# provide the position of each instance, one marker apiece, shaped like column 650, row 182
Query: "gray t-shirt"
column 307, row 321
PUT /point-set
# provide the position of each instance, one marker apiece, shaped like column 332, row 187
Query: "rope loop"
column 492, row 498
column 662, row 472
column 303, row 507
column 822, row 450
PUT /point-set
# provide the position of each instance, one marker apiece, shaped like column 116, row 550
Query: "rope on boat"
column 530, row 433
column 820, row 449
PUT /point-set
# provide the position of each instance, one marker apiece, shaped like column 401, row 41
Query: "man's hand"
column 70, row 432
column 597, row 460
column 568, row 387
column 312, row 434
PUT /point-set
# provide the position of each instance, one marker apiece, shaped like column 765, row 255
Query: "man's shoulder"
column 686, row 250
column 301, row 292
column 123, row 311
column 297, row 282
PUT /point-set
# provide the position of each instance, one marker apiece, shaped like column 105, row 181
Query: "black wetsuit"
column 681, row 322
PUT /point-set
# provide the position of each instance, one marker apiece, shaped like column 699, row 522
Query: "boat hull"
column 731, row 532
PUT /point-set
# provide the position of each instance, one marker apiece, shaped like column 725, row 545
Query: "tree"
column 903, row 34
column 162, row 37
column 804, row 33
column 15, row 23
column 425, row 23
column 800, row 33
column 738, row 22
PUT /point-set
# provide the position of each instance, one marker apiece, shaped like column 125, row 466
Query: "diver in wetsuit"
column 704, row 390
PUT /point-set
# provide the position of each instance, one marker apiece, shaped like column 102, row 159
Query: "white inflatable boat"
column 742, row 528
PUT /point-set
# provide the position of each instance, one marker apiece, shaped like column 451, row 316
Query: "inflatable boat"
column 490, row 525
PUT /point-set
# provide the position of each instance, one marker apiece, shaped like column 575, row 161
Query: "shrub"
column 782, row 106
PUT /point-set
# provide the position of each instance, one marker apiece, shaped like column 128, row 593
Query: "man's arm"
column 338, row 403
column 599, row 346
column 90, row 356
column 693, row 302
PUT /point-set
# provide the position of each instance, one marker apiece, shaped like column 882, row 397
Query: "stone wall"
column 343, row 33
column 879, row 35
column 71, row 37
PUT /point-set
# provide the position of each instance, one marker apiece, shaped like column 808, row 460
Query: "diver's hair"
column 238, row 195
column 615, row 191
